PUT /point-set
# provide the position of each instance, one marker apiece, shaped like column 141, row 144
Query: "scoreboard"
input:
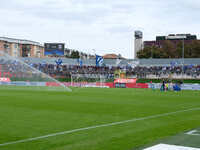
column 54, row 49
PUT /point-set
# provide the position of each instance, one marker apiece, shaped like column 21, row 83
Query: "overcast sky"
column 104, row 25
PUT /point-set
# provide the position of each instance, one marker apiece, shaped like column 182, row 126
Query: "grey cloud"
column 105, row 19
column 51, row 10
column 86, row 2
column 86, row 16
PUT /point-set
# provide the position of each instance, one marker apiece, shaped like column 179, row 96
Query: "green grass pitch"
column 27, row 114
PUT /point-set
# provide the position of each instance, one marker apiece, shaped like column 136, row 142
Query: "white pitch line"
column 193, row 132
column 97, row 126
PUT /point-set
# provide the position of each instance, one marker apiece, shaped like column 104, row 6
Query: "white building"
column 138, row 42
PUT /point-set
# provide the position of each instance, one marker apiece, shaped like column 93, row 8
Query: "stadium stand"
column 143, row 68
column 113, row 62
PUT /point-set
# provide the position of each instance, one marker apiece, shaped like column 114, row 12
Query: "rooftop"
column 20, row 41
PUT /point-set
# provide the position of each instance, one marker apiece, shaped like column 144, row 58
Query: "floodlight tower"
column 183, row 54
column 138, row 42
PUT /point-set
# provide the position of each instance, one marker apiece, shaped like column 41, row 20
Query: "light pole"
column 94, row 51
column 183, row 53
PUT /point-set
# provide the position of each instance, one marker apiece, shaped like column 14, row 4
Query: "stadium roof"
column 20, row 41
column 118, row 62
column 112, row 56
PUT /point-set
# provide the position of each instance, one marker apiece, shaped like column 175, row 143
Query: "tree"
column 75, row 54
column 145, row 53
column 152, row 52
column 171, row 50
column 195, row 49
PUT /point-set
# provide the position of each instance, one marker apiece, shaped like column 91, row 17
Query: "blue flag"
column 59, row 62
column 99, row 60
column 80, row 62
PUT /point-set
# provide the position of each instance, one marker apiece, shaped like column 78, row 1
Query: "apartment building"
column 21, row 48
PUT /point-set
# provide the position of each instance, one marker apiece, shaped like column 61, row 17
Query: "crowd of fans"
column 159, row 71
column 70, row 70
column 108, row 72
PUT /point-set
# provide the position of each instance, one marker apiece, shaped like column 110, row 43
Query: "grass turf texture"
column 32, row 113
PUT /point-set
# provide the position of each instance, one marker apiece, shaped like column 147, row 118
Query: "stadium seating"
column 143, row 68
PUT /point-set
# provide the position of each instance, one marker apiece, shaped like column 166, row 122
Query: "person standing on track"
column 162, row 86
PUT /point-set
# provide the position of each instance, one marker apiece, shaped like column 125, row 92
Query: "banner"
column 125, row 81
column 4, row 79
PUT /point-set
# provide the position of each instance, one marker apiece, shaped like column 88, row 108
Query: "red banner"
column 108, row 84
column 125, row 81
column 4, row 79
